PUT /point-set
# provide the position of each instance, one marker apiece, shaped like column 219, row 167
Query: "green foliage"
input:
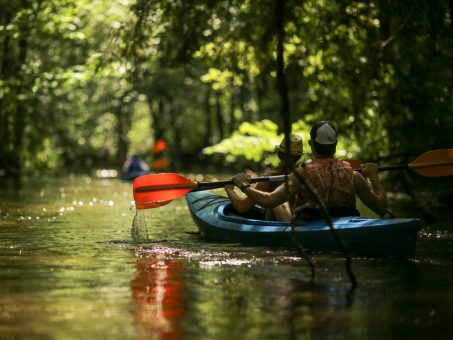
column 255, row 142
column 139, row 134
column 252, row 142
column 83, row 83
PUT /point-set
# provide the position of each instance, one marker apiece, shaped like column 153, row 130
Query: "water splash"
column 139, row 231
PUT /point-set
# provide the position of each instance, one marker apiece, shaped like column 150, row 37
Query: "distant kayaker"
column 134, row 167
column 334, row 181
column 244, row 204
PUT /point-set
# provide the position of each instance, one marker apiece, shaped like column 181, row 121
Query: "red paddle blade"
column 436, row 163
column 156, row 190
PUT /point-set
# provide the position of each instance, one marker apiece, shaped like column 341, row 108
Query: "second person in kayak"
column 334, row 181
column 244, row 204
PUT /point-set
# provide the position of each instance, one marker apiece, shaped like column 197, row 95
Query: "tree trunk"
column 219, row 116
column 157, row 118
column 20, row 110
column 281, row 78
column 451, row 14
column 175, row 149
column 232, row 108
column 243, row 98
column 208, row 122
column 260, row 88
column 124, row 119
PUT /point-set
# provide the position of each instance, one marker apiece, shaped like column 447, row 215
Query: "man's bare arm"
column 269, row 199
column 374, row 197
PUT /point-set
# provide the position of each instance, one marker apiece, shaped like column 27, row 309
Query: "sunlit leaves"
column 254, row 142
column 220, row 79
column 251, row 142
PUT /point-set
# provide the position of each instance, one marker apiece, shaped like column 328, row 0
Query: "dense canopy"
column 84, row 83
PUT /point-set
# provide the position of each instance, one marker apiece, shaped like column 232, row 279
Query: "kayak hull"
column 217, row 221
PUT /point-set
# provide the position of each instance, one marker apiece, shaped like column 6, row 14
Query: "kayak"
column 218, row 221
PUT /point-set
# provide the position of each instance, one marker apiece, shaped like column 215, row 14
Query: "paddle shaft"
column 394, row 167
column 281, row 178
column 198, row 186
column 221, row 184
column 414, row 166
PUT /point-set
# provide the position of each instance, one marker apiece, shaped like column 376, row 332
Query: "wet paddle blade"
column 436, row 163
column 156, row 190
column 151, row 204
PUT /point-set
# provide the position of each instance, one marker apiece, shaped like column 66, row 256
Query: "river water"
column 69, row 269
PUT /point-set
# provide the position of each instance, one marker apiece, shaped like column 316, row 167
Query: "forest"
column 85, row 83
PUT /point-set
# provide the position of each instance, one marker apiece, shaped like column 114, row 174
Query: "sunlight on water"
column 190, row 254
column 84, row 265
column 429, row 232
column 139, row 231
column 226, row 262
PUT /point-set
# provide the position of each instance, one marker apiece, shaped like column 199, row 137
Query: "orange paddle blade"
column 156, row 190
column 435, row 163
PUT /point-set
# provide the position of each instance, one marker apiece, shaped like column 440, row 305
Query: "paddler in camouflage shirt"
column 334, row 181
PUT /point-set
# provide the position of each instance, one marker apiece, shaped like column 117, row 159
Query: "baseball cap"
column 324, row 136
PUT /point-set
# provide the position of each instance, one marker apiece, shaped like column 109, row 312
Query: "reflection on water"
column 70, row 269
column 157, row 297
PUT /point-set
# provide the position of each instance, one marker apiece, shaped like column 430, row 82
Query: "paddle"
column 156, row 190
column 435, row 163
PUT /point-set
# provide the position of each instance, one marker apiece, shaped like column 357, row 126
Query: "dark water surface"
column 70, row 270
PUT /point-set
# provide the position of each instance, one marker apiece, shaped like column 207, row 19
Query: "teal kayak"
column 365, row 237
